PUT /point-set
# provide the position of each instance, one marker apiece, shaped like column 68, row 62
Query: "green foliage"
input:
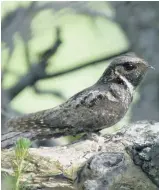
column 21, row 153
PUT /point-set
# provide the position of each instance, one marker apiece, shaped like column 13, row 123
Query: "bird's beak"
column 151, row 67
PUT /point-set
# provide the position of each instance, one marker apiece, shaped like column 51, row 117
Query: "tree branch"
column 87, row 64
column 37, row 70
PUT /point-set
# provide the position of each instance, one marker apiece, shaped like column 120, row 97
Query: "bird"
column 99, row 106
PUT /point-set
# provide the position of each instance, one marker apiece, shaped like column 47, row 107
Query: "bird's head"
column 127, row 68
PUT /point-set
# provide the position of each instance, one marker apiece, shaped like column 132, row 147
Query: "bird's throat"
column 123, row 80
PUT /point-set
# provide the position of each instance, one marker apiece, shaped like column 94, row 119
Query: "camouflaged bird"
column 99, row 106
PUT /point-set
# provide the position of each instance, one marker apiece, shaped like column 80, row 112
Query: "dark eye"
column 129, row 66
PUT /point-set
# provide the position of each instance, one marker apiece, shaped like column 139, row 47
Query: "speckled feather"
column 97, row 107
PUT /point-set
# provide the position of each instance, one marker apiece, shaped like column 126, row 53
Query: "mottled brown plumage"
column 97, row 107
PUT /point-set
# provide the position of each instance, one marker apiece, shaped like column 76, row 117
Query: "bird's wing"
column 88, row 97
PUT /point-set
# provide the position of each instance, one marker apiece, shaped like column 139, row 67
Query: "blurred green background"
column 84, row 38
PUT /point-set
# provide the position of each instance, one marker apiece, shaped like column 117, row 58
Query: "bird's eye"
column 129, row 66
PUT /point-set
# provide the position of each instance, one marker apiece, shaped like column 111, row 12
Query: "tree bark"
column 126, row 159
